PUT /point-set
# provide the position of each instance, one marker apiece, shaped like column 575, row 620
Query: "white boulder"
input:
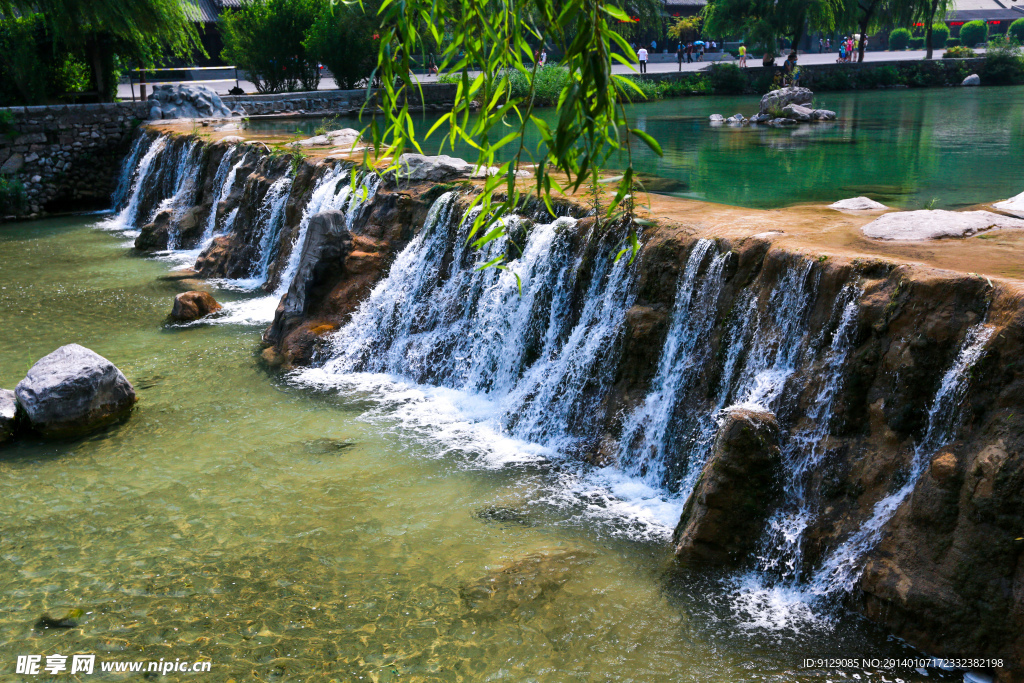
column 1014, row 205
column 858, row 204
column 973, row 79
column 936, row 224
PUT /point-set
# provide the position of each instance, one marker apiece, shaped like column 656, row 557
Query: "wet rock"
column 777, row 100
column 823, row 115
column 717, row 117
column 193, row 305
column 858, row 204
column 503, row 515
column 326, row 446
column 973, row 79
column 432, row 168
column 74, row 391
column 781, row 122
column 797, row 112
column 726, row 512
column 760, row 118
column 155, row 236
column 936, row 224
column 736, row 118
column 8, row 414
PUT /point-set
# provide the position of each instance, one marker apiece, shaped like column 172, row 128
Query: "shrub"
column 1004, row 64
column 973, row 33
column 885, row 75
column 265, row 37
column 343, row 40
column 835, row 79
column 1016, row 30
column 940, row 34
column 958, row 52
column 899, row 39
column 727, row 79
column 648, row 88
column 12, row 195
column 916, row 43
column 952, row 42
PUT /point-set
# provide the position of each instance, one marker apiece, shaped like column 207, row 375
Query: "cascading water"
column 124, row 181
column 126, row 219
column 271, row 219
column 841, row 569
column 222, row 181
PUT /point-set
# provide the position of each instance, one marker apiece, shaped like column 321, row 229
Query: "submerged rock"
column 726, row 512
column 523, row 583
column 823, row 115
column 8, row 414
column 74, row 391
column 777, row 100
column 69, row 620
column 193, row 305
column 933, row 224
column 858, row 204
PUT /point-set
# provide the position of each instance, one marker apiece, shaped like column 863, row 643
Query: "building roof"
column 208, row 11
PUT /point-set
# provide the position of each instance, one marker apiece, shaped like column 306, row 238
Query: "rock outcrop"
column 438, row 169
column 74, row 391
column 193, row 305
column 933, row 224
column 8, row 414
column 1014, row 205
column 777, row 100
column 726, row 512
column 186, row 102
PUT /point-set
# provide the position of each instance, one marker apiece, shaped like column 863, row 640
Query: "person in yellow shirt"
column 743, row 55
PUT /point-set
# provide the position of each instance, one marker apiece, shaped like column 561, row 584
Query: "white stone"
column 858, row 204
column 1014, row 205
column 937, row 224
column 435, row 168
column 717, row 117
column 973, row 79
column 797, row 112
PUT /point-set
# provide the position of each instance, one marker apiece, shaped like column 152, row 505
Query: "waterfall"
column 841, row 569
column 222, row 182
column 186, row 174
column 127, row 218
column 270, row 219
column 124, row 181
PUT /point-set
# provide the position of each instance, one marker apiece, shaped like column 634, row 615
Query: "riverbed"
column 287, row 533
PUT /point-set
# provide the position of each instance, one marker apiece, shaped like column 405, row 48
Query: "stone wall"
column 436, row 97
column 67, row 157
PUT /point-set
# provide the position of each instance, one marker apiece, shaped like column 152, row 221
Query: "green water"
column 947, row 148
column 268, row 529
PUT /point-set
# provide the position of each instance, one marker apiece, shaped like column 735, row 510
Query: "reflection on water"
column 268, row 528
column 907, row 148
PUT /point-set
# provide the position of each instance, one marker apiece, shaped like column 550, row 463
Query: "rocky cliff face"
column 895, row 389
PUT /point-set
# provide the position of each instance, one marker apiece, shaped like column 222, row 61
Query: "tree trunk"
column 928, row 28
column 865, row 21
column 99, row 80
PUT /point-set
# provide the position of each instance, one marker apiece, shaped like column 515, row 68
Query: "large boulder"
column 8, row 414
column 1014, row 205
column 432, row 168
column 193, row 305
column 933, row 224
column 184, row 101
column 740, row 483
column 797, row 112
column 777, row 100
column 74, row 391
column 973, row 79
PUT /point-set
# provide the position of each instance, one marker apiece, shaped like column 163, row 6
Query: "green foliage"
column 899, row 39
column 916, row 43
column 645, row 91
column 940, row 34
column 958, row 52
column 1004, row 64
column 343, row 40
column 686, row 28
column 265, row 37
column 884, row 76
column 32, row 70
column 1016, row 30
column 105, row 34
column 973, row 33
column 548, row 83
column 952, row 42
column 494, row 39
column 727, row 79
column 763, row 22
column 692, row 84
column 12, row 195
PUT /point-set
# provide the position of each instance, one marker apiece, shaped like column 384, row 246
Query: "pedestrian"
column 743, row 56
column 431, row 65
column 543, row 58
column 654, row 46
column 700, row 54
column 679, row 55
column 689, row 53
column 791, row 70
column 642, row 58
column 842, row 52
column 828, row 45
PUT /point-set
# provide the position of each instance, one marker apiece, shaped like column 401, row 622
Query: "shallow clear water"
column 945, row 147
column 290, row 534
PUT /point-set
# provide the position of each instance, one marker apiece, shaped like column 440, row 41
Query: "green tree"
column 494, row 38
column 346, row 42
column 265, row 37
column 105, row 32
column 973, row 32
column 940, row 34
column 762, row 22
column 686, row 28
column 899, row 39
column 1016, row 30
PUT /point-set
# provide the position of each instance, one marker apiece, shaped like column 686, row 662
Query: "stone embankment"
column 868, row 356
